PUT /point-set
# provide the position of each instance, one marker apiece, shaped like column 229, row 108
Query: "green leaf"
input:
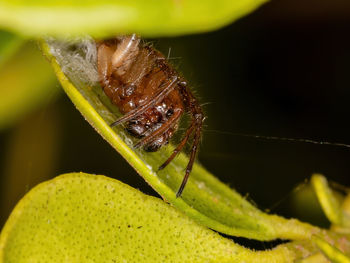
column 90, row 218
column 110, row 17
column 205, row 198
column 26, row 81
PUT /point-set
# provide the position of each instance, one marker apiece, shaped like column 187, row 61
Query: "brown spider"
column 151, row 95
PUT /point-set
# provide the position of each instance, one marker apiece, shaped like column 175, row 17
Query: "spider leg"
column 194, row 150
column 180, row 146
column 104, row 64
column 165, row 126
column 141, row 109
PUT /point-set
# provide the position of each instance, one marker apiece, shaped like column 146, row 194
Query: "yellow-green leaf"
column 90, row 218
column 109, row 17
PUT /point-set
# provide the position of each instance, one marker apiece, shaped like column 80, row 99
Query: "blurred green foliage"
column 9, row 44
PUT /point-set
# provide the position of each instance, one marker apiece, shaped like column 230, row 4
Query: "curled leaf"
column 205, row 198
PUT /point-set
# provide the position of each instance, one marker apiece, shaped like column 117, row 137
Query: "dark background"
column 282, row 71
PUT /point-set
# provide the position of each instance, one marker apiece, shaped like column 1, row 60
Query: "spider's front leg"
column 104, row 63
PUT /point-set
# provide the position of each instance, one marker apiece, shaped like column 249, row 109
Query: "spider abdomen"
column 144, row 75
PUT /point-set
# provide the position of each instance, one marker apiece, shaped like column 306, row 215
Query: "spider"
column 150, row 93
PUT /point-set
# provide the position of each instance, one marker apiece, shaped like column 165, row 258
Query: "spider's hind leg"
column 199, row 118
column 179, row 146
column 196, row 127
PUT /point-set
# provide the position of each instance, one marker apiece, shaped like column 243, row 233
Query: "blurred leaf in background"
column 26, row 79
column 27, row 87
column 107, row 18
